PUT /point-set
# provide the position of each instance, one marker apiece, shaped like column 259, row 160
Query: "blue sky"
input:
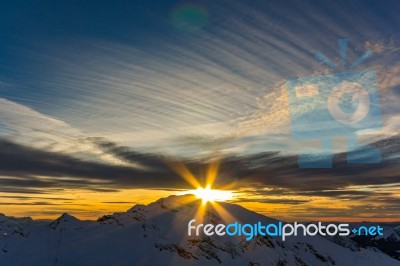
column 185, row 79
column 148, row 74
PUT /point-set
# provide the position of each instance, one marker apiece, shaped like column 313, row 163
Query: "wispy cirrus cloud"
column 227, row 81
column 26, row 126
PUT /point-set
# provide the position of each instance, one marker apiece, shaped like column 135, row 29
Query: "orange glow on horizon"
column 286, row 206
column 91, row 205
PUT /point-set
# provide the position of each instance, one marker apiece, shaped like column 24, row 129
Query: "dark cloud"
column 28, row 203
column 118, row 202
column 22, row 169
column 31, row 197
column 344, row 194
column 272, row 201
column 22, row 190
column 21, row 166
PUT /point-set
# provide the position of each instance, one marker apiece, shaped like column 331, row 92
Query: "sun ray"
column 223, row 213
column 184, row 172
column 212, row 172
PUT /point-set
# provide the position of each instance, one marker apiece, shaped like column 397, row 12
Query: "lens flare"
column 189, row 17
column 210, row 195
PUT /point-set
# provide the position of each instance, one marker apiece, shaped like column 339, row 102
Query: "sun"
column 210, row 195
column 206, row 194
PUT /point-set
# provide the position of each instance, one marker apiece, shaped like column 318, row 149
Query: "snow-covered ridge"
column 156, row 234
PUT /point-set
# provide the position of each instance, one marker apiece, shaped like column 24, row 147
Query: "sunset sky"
column 107, row 104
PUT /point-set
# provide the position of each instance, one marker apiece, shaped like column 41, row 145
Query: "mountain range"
column 156, row 234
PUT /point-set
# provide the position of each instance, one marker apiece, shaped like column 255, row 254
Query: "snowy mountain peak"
column 172, row 203
column 65, row 217
column 64, row 220
column 175, row 201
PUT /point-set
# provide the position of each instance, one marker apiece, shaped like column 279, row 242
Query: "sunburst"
column 203, row 189
column 208, row 194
